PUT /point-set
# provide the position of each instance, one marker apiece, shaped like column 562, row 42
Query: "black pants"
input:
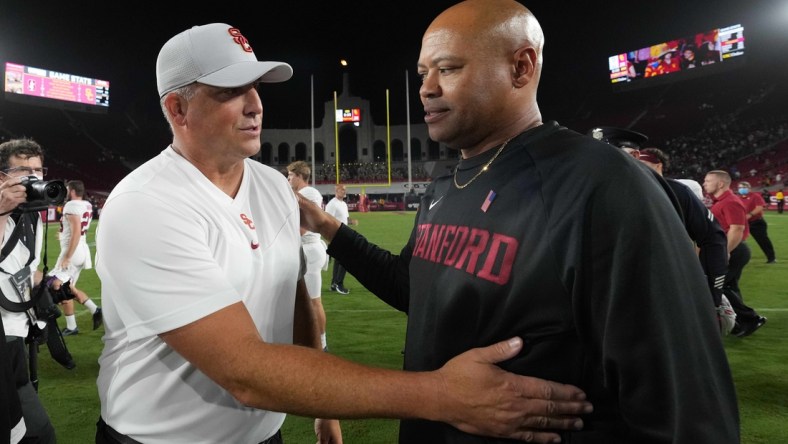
column 740, row 256
column 10, row 406
column 39, row 427
column 107, row 435
column 338, row 276
column 758, row 229
column 780, row 204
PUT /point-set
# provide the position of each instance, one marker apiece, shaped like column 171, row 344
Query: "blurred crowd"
column 370, row 172
column 748, row 149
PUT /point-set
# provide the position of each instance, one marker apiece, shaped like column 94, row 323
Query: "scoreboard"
column 48, row 84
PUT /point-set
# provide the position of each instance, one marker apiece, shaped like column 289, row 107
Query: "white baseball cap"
column 216, row 54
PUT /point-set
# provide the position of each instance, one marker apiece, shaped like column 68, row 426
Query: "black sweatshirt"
column 581, row 255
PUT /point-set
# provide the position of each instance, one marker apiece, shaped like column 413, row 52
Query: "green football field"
column 363, row 329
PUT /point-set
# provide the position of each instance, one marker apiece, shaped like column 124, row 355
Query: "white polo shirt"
column 171, row 248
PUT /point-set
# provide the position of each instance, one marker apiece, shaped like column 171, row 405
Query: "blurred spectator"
column 667, row 63
column 708, row 53
column 688, row 59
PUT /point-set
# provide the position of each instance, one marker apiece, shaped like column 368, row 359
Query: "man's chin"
column 252, row 147
column 436, row 133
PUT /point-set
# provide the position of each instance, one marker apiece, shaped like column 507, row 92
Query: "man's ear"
column 524, row 66
column 176, row 107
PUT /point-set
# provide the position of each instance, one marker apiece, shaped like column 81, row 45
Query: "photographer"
column 20, row 158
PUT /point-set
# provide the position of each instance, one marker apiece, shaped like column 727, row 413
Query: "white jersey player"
column 313, row 245
column 338, row 208
column 75, row 253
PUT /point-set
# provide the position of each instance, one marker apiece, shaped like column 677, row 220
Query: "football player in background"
column 75, row 254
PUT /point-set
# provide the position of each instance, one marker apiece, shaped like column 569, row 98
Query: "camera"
column 62, row 293
column 41, row 194
column 49, row 296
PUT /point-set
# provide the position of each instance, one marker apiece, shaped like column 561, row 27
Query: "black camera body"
column 63, row 293
column 41, row 194
column 47, row 298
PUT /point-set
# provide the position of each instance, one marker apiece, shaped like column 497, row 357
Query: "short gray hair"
column 187, row 92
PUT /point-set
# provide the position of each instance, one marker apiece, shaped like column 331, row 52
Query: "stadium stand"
column 703, row 124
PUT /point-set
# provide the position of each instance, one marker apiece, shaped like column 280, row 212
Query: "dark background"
column 379, row 39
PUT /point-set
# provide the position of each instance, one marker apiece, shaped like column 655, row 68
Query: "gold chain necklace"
column 484, row 168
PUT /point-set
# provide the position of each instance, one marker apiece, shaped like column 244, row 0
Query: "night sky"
column 379, row 39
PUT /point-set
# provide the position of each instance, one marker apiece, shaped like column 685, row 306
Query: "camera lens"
column 52, row 191
column 42, row 194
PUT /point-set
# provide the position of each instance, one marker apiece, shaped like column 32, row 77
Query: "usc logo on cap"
column 240, row 39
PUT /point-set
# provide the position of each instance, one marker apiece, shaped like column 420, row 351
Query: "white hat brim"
column 244, row 73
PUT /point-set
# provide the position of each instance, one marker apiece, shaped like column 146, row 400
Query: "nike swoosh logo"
column 255, row 245
column 435, row 202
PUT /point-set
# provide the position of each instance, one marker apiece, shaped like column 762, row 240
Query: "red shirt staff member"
column 754, row 204
column 732, row 216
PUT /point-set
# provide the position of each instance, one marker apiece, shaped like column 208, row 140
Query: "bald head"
column 493, row 25
column 480, row 64
column 492, row 28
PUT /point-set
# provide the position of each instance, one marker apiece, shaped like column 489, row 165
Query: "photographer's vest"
column 10, row 406
column 15, row 292
column 35, row 302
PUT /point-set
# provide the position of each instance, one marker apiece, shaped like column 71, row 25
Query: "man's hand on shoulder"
column 314, row 219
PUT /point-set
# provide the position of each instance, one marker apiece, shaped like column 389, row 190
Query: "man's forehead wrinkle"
column 441, row 36
column 442, row 44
